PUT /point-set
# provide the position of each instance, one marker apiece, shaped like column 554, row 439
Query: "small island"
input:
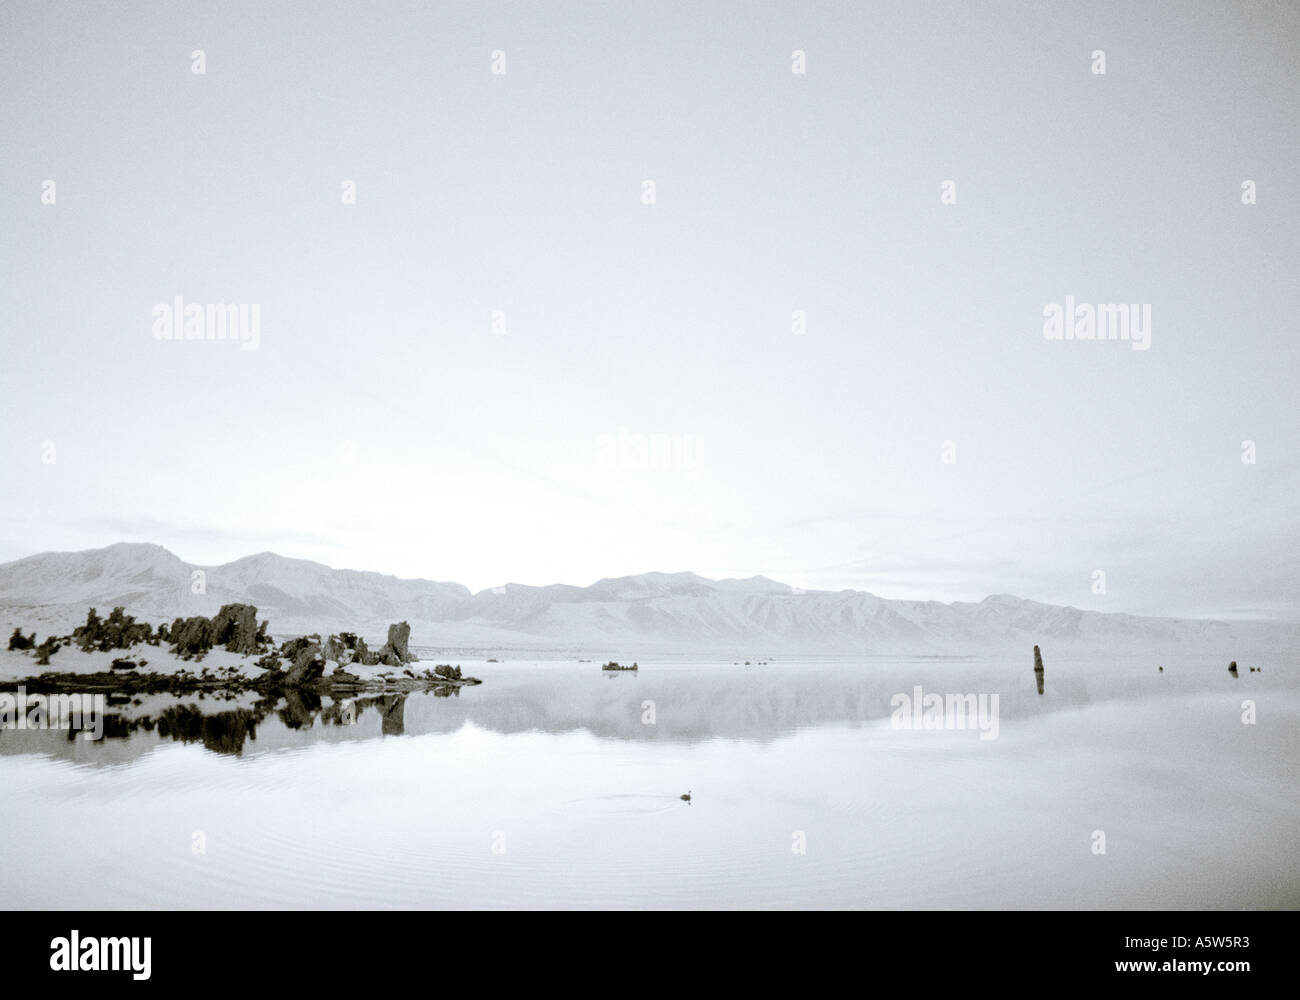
column 297, row 664
column 612, row 666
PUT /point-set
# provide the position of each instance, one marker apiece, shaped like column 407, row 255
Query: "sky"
column 813, row 349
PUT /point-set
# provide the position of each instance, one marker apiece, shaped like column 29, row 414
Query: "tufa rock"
column 190, row 636
column 341, row 676
column 364, row 655
column 335, row 650
column 308, row 666
column 395, row 652
column 236, row 626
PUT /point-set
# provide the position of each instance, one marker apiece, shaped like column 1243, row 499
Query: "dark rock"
column 118, row 631
column 20, row 641
column 45, row 650
column 396, row 652
column 87, row 636
column 341, row 676
column 271, row 661
column 236, row 626
column 1038, row 669
column 293, row 647
column 335, row 650
column 191, row 636
column 308, row 666
column 364, row 655
column 1232, row 668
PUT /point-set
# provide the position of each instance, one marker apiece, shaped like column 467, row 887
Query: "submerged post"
column 1038, row 669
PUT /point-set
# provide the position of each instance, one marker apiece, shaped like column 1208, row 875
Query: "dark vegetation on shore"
column 297, row 664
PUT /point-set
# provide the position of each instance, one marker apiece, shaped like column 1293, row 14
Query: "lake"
column 554, row 785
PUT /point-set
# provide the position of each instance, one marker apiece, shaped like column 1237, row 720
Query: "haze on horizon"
column 383, row 425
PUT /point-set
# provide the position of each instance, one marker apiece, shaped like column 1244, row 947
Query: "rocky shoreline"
column 297, row 664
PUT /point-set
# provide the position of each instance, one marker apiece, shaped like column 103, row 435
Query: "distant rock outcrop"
column 118, row 631
column 308, row 666
column 336, row 651
column 45, row 650
column 295, row 671
column 236, row 626
column 396, row 652
column 191, row 636
column 364, row 655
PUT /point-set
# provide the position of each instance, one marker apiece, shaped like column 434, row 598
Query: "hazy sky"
column 383, row 424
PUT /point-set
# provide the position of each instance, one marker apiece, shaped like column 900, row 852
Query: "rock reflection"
column 300, row 708
column 394, row 708
column 220, row 732
column 226, row 730
column 693, row 703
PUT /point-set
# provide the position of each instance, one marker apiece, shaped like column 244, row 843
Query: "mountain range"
column 661, row 613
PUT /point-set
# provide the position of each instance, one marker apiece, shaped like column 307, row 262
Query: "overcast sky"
column 383, row 423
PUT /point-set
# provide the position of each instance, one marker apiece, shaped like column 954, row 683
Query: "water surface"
column 554, row 785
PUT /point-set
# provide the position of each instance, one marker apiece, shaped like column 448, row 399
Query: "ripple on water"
column 627, row 804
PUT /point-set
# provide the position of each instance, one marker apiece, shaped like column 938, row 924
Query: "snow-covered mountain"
column 152, row 583
column 648, row 613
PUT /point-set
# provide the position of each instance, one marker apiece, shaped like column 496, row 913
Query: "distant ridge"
column 653, row 612
column 152, row 582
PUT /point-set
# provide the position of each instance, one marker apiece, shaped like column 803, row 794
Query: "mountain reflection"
column 673, row 703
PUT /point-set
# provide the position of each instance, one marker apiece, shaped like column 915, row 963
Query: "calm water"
column 547, row 787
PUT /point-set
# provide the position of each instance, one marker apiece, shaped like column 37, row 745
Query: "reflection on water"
column 553, row 786
column 642, row 804
column 394, row 715
column 688, row 702
column 226, row 730
column 221, row 732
